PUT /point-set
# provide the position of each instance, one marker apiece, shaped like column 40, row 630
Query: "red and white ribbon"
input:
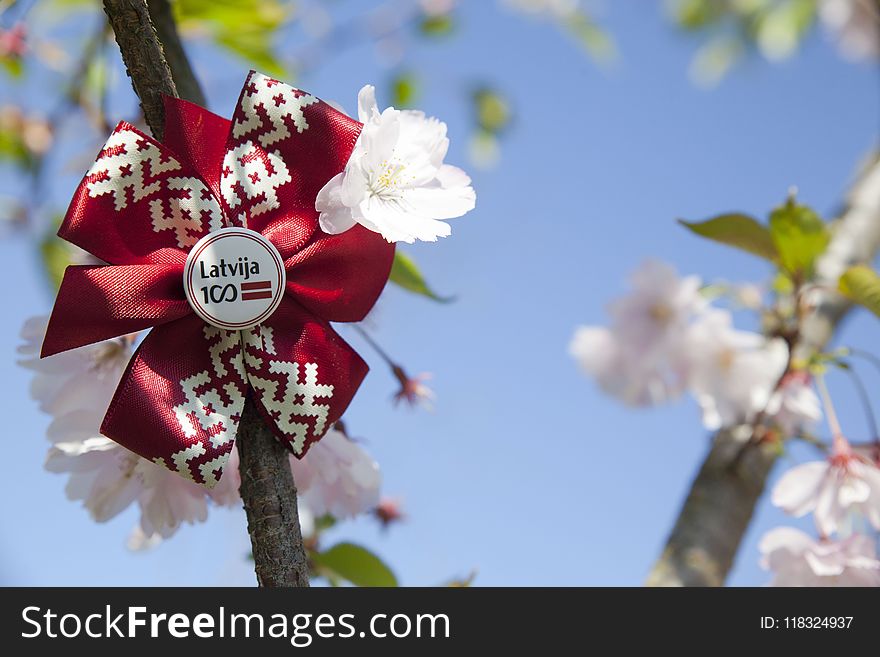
column 142, row 208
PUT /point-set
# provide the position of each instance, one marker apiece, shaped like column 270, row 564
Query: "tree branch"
column 166, row 29
column 143, row 57
column 719, row 507
column 269, row 495
column 267, row 487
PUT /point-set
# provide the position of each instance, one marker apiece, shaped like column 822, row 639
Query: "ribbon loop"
column 181, row 407
column 302, row 379
column 139, row 204
column 97, row 303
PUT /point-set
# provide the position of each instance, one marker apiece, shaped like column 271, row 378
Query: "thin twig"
column 375, row 345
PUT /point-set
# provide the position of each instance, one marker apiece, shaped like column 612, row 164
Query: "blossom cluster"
column 843, row 494
column 666, row 338
column 336, row 477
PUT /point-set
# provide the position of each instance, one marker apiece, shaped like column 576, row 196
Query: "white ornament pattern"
column 264, row 96
column 206, row 410
column 295, row 398
column 128, row 164
column 254, row 172
column 191, row 215
column 133, row 168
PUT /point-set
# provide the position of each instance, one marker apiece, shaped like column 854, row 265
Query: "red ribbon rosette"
column 147, row 209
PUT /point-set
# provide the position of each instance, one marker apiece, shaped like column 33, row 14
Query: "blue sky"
column 525, row 472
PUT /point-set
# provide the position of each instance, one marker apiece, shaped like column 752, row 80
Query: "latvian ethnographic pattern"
column 289, row 391
column 132, row 169
column 212, row 408
column 252, row 173
column 249, row 179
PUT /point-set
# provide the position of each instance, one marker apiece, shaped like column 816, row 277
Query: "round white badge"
column 234, row 278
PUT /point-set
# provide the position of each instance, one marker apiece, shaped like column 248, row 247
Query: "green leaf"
column 95, row 83
column 696, row 14
column 246, row 28
column 714, row 60
column 782, row 283
column 492, row 110
column 800, row 237
column 254, row 49
column 737, row 230
column 12, row 147
column 780, row 29
column 324, row 522
column 354, row 564
column 440, row 25
column 404, row 89
column 56, row 257
column 406, row 274
column 862, row 284
column 13, row 66
column 593, row 38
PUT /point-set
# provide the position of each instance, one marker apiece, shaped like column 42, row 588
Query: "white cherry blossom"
column 641, row 358
column 794, row 407
column 75, row 387
column 395, row 182
column 732, row 373
column 103, row 474
column 661, row 304
column 832, row 489
column 620, row 371
column 855, row 24
column 796, row 559
column 75, row 380
column 338, row 477
column 168, row 500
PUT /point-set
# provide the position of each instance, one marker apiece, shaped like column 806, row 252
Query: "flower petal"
column 337, row 477
column 828, row 510
column 871, row 475
column 354, row 186
column 797, row 490
column 96, row 303
column 336, row 221
column 180, row 407
column 442, row 202
column 395, row 224
column 787, row 539
column 330, row 196
column 379, row 139
column 367, row 106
